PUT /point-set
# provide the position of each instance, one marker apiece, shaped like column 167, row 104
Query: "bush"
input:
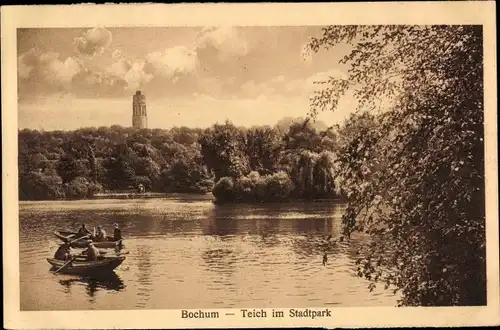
column 244, row 189
column 77, row 188
column 279, row 186
column 203, row 186
column 80, row 187
column 254, row 188
column 224, row 190
column 93, row 188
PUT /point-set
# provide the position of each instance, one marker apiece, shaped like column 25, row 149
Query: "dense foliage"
column 80, row 163
column 289, row 160
column 414, row 173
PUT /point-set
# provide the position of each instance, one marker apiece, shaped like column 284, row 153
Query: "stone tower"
column 139, row 117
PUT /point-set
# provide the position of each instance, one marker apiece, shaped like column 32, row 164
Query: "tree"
column 424, row 208
column 223, row 150
column 356, row 146
column 263, row 149
column 314, row 175
column 302, row 136
column 70, row 168
column 185, row 135
column 38, row 186
column 324, row 175
column 303, row 173
column 187, row 175
column 147, row 167
column 120, row 167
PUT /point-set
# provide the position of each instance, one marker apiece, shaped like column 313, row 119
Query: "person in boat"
column 117, row 233
column 92, row 252
column 83, row 231
column 63, row 252
column 101, row 234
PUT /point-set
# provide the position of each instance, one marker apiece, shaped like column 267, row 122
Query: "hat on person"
column 116, row 225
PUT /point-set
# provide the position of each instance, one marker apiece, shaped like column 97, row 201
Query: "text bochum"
column 255, row 313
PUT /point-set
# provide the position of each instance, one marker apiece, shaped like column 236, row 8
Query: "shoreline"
column 129, row 195
column 288, row 201
column 209, row 196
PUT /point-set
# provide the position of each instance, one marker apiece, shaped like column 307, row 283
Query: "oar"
column 72, row 259
column 76, row 240
column 63, row 266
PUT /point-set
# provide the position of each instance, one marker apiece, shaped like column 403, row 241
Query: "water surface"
column 186, row 252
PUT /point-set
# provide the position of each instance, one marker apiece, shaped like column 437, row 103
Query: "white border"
column 243, row 15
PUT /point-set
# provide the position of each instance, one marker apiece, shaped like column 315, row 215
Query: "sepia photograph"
column 273, row 171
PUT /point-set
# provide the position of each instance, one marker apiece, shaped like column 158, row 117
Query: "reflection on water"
column 143, row 274
column 110, row 282
column 186, row 252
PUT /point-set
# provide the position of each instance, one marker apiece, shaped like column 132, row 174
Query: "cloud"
column 162, row 73
column 62, row 72
column 120, row 67
column 26, row 62
column 326, row 75
column 309, row 84
column 224, row 42
column 278, row 79
column 93, row 41
column 281, row 86
column 136, row 77
column 44, row 72
column 116, row 54
column 172, row 61
column 254, row 90
column 130, row 74
column 274, row 86
column 92, row 83
column 225, row 53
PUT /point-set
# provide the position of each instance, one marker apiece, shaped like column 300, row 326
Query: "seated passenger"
column 117, row 234
column 63, row 252
column 92, row 252
column 83, row 231
column 101, row 234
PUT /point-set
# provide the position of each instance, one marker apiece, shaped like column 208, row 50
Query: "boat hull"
column 66, row 236
column 105, row 265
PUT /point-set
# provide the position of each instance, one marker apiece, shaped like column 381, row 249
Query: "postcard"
column 250, row 165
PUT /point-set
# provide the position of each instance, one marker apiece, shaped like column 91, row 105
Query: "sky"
column 192, row 76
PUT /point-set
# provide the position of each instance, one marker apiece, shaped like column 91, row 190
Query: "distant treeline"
column 293, row 159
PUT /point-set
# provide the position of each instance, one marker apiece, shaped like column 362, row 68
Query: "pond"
column 186, row 252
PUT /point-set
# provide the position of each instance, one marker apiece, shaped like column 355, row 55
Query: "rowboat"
column 67, row 236
column 83, row 267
